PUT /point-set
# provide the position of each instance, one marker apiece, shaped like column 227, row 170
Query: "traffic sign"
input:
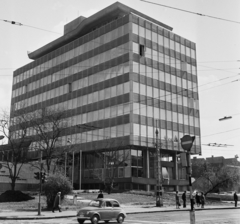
column 187, row 142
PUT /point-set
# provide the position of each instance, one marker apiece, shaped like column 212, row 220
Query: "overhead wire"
column 183, row 90
column 133, row 50
column 51, row 31
column 220, row 132
column 195, row 13
column 20, row 24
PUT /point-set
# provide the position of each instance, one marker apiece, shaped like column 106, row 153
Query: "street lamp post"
column 159, row 201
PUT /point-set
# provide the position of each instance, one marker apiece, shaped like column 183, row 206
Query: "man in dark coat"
column 235, row 198
column 202, row 199
column 100, row 195
column 57, row 202
column 198, row 201
column 184, row 198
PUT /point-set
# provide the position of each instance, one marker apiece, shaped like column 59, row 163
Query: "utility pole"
column 158, row 172
column 186, row 143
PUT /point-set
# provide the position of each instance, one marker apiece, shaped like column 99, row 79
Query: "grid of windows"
column 167, row 95
column 75, row 102
column 165, row 87
column 108, row 55
column 80, row 50
column 126, row 78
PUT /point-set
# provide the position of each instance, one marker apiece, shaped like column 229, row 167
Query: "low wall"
column 220, row 197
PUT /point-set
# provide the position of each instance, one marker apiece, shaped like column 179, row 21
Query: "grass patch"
column 134, row 198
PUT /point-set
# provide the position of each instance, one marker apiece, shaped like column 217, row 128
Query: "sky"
column 217, row 41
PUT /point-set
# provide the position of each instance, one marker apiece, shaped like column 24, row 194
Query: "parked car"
column 104, row 209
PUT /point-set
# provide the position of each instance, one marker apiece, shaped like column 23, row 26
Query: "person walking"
column 235, row 198
column 57, row 202
column 202, row 199
column 100, row 195
column 198, row 199
column 177, row 200
column 184, row 198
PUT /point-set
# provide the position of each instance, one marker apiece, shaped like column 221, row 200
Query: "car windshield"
column 95, row 203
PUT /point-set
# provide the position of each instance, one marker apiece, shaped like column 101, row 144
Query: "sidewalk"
column 18, row 215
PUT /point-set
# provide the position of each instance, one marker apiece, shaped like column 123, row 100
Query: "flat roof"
column 106, row 14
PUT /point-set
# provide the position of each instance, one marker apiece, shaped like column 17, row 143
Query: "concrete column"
column 175, row 171
column 147, row 168
column 65, row 164
column 80, row 169
column 73, row 167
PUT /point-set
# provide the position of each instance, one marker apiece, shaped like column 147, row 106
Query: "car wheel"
column 80, row 221
column 95, row 219
column 120, row 218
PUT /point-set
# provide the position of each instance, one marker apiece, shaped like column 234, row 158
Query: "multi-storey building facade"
column 127, row 75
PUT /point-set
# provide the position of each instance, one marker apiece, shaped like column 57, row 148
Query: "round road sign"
column 187, row 142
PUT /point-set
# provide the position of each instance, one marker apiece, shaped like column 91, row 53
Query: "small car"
column 104, row 209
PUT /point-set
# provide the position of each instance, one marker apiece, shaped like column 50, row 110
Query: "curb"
column 35, row 217
column 137, row 212
column 183, row 210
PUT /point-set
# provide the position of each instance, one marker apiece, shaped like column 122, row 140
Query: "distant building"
column 125, row 74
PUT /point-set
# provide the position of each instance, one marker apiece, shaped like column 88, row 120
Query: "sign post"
column 186, row 143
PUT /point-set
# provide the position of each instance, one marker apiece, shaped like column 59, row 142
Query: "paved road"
column 229, row 216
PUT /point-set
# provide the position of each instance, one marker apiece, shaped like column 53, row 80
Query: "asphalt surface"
column 33, row 215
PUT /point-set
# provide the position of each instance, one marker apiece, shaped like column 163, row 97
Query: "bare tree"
column 47, row 126
column 111, row 160
column 15, row 152
column 212, row 177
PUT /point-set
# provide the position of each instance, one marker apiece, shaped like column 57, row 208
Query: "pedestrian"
column 193, row 199
column 57, row 202
column 235, row 198
column 177, row 200
column 100, row 195
column 202, row 199
column 198, row 199
column 184, row 198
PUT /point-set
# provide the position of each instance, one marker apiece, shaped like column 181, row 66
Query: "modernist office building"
column 126, row 74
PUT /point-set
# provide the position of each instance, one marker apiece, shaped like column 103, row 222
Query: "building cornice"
column 112, row 12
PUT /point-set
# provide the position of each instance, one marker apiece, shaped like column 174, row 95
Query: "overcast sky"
column 217, row 41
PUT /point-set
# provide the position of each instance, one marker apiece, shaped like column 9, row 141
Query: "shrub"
column 56, row 182
column 12, row 196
